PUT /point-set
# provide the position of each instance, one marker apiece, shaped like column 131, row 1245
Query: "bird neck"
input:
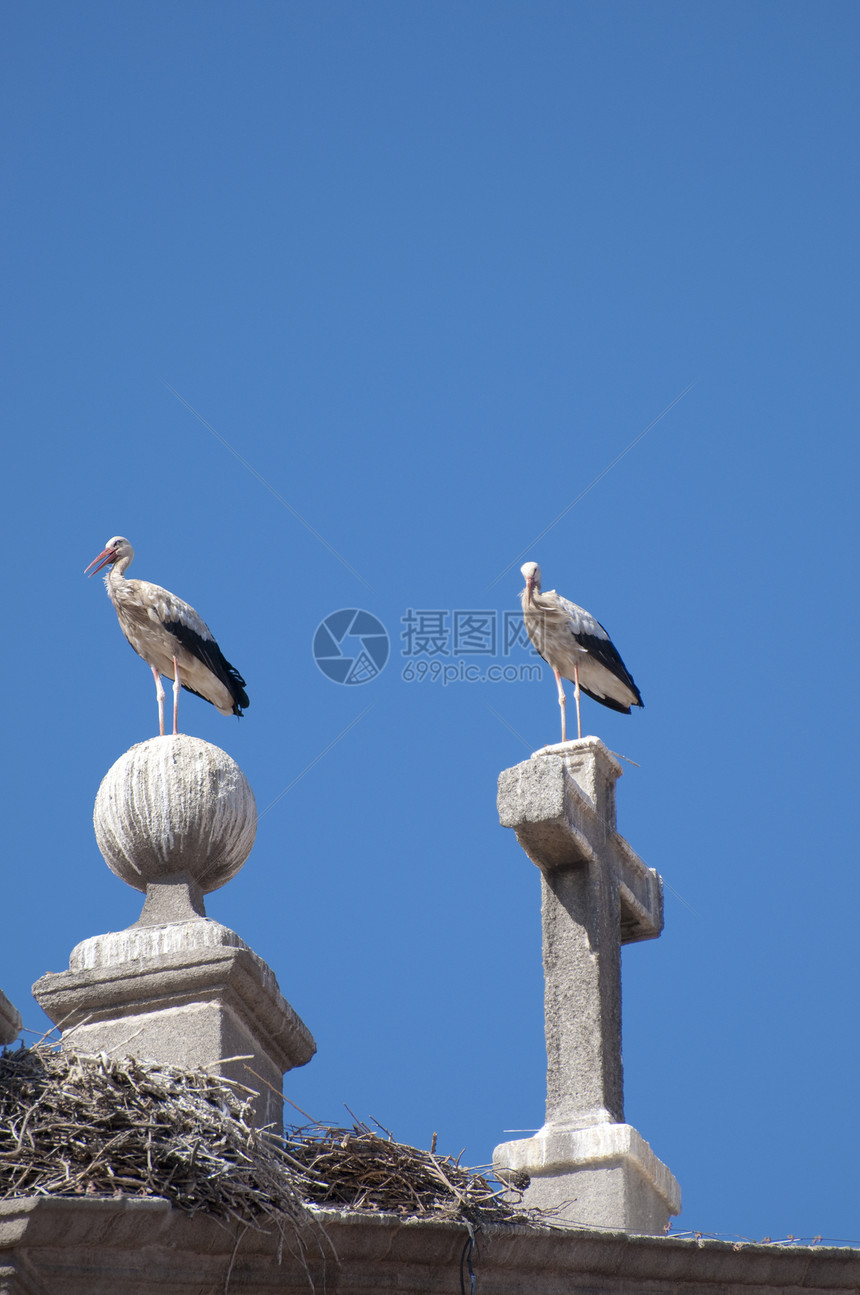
column 535, row 604
column 116, row 572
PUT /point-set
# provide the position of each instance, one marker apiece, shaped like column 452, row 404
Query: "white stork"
column 577, row 647
column 172, row 639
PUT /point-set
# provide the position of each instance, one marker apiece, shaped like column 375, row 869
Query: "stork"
column 577, row 647
column 170, row 636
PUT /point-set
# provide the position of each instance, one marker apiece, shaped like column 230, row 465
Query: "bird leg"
column 159, row 692
column 576, row 695
column 562, row 701
column 176, row 687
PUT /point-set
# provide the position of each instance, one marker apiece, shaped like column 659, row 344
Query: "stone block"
column 604, row 1176
column 188, row 993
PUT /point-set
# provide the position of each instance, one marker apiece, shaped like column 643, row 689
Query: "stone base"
column 184, row 993
column 605, row 1176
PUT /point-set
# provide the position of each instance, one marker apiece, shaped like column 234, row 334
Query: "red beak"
column 530, row 588
column 106, row 556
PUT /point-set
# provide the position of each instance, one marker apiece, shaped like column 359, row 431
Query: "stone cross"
column 585, row 1164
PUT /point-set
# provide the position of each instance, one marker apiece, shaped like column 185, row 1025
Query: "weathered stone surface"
column 561, row 805
column 603, row 1173
column 596, row 895
column 175, row 806
column 10, row 1020
column 85, row 1246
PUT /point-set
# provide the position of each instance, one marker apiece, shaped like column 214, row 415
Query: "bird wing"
column 591, row 636
column 206, row 650
column 190, row 629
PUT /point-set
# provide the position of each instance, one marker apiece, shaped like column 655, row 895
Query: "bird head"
column 531, row 574
column 115, row 549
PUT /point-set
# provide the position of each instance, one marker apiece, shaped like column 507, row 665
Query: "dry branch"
column 73, row 1125
column 96, row 1126
column 359, row 1169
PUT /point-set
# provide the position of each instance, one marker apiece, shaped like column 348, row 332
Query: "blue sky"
column 333, row 305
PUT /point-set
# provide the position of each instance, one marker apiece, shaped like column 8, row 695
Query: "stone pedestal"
column 185, row 993
column 604, row 1176
column 585, row 1164
column 176, row 819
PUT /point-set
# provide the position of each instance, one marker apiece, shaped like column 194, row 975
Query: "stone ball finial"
column 175, row 806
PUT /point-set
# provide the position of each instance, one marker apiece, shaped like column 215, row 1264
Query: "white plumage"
column 170, row 636
column 577, row 647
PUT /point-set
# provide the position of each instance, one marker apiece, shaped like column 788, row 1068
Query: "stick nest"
column 74, row 1125
column 358, row 1169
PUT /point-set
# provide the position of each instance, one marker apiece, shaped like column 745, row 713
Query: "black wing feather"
column 606, row 701
column 208, row 651
column 604, row 651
